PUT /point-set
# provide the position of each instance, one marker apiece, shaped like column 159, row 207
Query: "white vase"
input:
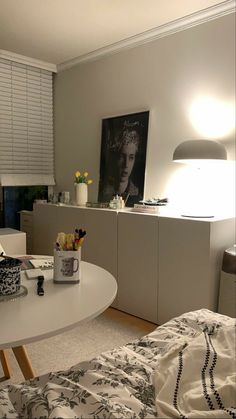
column 81, row 193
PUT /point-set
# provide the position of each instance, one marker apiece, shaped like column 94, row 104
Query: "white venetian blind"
column 26, row 124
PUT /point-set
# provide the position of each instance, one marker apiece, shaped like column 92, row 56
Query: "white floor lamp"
column 197, row 153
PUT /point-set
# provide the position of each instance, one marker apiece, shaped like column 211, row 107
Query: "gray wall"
column 164, row 76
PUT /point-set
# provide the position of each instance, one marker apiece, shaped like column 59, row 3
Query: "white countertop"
column 162, row 211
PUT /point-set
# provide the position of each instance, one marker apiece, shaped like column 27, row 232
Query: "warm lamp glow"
column 208, row 190
column 212, row 118
column 205, row 154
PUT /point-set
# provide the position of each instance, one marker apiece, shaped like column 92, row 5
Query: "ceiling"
column 56, row 31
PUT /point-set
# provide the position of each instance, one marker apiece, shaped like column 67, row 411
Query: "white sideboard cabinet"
column 164, row 265
column 100, row 244
column 138, row 265
column 189, row 263
column 26, row 225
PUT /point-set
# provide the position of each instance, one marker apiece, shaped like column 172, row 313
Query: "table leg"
column 5, row 364
column 24, row 362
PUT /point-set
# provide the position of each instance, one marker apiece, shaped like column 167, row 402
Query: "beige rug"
column 81, row 343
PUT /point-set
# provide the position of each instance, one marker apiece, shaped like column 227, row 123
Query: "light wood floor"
column 128, row 320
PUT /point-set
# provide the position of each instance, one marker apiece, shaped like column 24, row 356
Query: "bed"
column 184, row 369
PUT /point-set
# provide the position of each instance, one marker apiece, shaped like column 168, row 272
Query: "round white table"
column 63, row 306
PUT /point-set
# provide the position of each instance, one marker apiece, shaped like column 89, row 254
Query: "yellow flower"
column 79, row 178
column 90, row 181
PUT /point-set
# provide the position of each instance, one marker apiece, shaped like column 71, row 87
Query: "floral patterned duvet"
column 116, row 384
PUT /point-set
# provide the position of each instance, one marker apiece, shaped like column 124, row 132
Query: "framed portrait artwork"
column 123, row 157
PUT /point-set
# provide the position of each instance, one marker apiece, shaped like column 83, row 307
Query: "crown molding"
column 7, row 55
column 167, row 29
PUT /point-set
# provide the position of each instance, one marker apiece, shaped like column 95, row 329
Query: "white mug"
column 67, row 266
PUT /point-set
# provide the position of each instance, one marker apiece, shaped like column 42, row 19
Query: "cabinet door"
column 185, row 282
column 49, row 220
column 100, row 246
column 138, row 265
column 26, row 225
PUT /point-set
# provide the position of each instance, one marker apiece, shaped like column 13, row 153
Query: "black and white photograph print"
column 123, row 157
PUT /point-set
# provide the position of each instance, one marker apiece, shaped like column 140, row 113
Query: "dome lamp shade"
column 190, row 150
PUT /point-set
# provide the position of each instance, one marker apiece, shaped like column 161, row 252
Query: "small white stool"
column 13, row 241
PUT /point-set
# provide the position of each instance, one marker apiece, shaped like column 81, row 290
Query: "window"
column 26, row 125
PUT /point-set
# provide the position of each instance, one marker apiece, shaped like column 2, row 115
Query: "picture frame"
column 123, row 157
